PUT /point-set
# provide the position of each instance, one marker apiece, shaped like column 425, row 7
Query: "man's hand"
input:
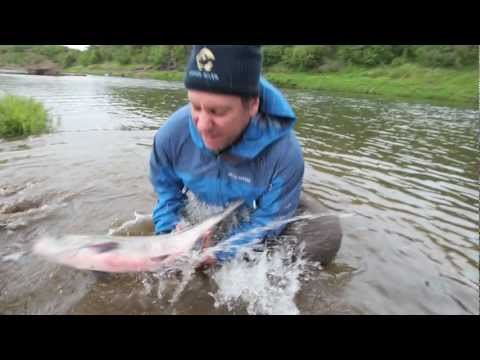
column 209, row 260
column 206, row 263
column 207, row 239
column 179, row 227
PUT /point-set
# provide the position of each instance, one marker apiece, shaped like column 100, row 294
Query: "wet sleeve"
column 168, row 186
column 279, row 202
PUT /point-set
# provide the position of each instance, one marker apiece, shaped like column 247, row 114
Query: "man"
column 234, row 140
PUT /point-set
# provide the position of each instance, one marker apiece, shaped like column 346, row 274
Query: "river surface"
column 405, row 173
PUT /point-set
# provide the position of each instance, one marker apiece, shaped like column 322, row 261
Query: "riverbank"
column 23, row 71
column 409, row 82
column 133, row 71
column 454, row 87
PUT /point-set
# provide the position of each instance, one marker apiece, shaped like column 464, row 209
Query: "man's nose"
column 204, row 122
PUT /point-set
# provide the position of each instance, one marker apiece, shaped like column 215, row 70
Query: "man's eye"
column 217, row 112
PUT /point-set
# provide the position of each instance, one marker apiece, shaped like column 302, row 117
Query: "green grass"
column 408, row 81
column 455, row 87
column 21, row 116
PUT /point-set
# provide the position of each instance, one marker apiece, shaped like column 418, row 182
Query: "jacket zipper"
column 218, row 181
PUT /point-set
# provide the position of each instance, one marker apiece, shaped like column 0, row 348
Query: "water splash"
column 266, row 284
column 232, row 242
column 263, row 279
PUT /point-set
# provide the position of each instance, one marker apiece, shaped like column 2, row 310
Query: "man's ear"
column 254, row 106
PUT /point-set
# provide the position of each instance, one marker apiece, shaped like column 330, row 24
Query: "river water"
column 407, row 173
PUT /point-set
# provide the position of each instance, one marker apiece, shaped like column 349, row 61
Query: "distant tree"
column 96, row 56
column 84, row 58
column 467, row 55
column 123, row 55
column 21, row 48
column 367, row 55
column 141, row 55
column 69, row 59
column 159, row 56
column 435, row 55
column 272, row 54
column 295, row 57
column 305, row 57
column 178, row 56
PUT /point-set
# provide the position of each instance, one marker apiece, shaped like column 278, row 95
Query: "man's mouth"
column 209, row 137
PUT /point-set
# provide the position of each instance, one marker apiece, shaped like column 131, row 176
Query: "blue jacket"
column 265, row 168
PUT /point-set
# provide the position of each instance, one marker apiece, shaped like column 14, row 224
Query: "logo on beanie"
column 205, row 60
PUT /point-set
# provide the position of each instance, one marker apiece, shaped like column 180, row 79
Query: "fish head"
column 50, row 246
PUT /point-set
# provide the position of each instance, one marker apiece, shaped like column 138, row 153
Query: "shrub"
column 20, row 116
column 305, row 57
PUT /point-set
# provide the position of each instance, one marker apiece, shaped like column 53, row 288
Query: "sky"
column 78, row 47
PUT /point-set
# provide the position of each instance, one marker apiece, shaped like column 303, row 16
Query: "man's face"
column 220, row 119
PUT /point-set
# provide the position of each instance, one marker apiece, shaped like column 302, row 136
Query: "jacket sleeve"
column 279, row 202
column 167, row 185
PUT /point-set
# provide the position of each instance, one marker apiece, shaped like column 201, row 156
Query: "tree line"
column 311, row 58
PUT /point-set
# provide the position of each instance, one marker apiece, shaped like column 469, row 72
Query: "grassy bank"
column 20, row 116
column 408, row 81
column 134, row 71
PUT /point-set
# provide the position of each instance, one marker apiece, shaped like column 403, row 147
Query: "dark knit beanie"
column 224, row 69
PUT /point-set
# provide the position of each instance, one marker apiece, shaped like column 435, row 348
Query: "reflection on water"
column 100, row 103
column 408, row 172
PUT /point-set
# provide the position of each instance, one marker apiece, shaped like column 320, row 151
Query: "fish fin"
column 159, row 258
column 104, row 247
